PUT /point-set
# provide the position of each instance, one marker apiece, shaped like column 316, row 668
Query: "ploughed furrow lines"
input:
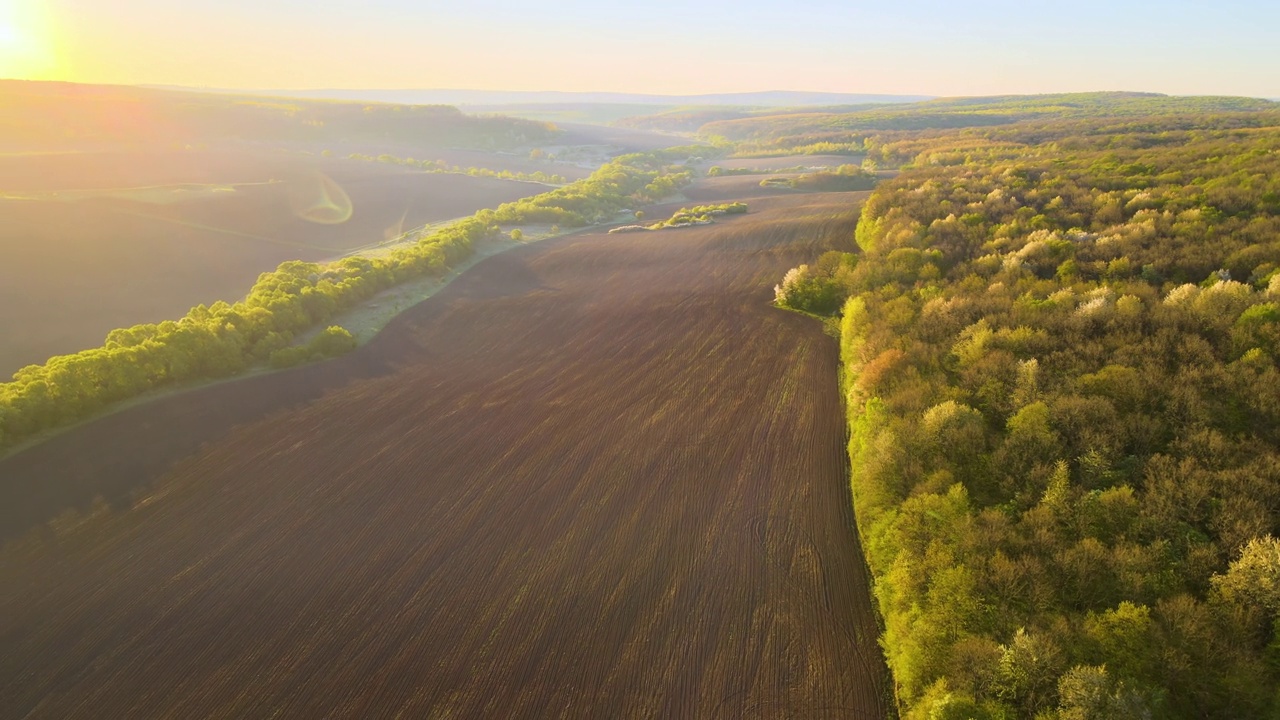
column 600, row 477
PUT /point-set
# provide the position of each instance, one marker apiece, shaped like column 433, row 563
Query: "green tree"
column 333, row 341
column 1254, row 576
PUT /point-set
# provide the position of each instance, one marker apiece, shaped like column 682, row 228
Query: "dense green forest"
column 229, row 338
column 1060, row 341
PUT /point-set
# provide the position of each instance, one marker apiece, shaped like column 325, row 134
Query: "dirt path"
column 598, row 477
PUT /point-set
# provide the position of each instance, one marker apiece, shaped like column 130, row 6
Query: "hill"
column 768, row 129
column 950, row 113
column 777, row 98
column 37, row 115
column 127, row 205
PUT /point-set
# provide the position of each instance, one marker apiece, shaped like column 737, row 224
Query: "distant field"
column 591, row 145
column 598, row 477
column 788, row 161
column 626, row 139
column 497, row 161
column 130, row 167
column 733, row 187
column 140, row 251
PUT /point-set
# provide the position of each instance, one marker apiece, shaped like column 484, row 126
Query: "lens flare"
column 396, row 231
column 317, row 198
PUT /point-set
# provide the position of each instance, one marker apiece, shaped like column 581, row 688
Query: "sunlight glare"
column 317, row 198
column 26, row 45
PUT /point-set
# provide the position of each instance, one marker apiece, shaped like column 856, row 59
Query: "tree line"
column 700, row 214
column 226, row 339
column 844, row 178
column 443, row 167
column 1060, row 343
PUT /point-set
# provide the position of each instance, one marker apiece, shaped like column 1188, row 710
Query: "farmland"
column 718, row 189
column 598, row 476
column 81, row 265
column 125, row 206
column 786, row 161
column 601, row 477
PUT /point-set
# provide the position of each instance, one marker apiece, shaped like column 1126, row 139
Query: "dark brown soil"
column 595, row 478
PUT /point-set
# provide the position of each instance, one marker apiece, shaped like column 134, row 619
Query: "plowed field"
column 598, row 477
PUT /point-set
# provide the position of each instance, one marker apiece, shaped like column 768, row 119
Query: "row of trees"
column 227, row 338
column 844, row 178
column 443, row 167
column 1064, row 397
column 699, row 214
column 836, row 144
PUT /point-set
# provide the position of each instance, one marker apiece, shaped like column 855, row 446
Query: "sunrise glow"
column 27, row 48
column 916, row 46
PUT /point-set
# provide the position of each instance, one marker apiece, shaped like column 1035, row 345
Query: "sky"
column 927, row 47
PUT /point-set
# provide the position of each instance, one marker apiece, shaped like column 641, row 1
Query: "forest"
column 226, row 339
column 1060, row 342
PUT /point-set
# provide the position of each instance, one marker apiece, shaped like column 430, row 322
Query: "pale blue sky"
column 910, row 46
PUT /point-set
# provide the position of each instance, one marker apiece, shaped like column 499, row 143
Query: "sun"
column 26, row 42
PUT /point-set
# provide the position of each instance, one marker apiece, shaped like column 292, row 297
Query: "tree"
column 1028, row 671
column 800, row 289
column 1254, row 577
column 1088, row 692
column 333, row 341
